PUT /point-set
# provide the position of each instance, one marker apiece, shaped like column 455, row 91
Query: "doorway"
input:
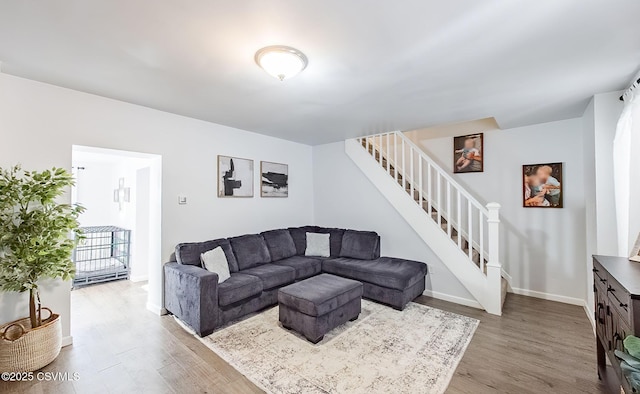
column 121, row 194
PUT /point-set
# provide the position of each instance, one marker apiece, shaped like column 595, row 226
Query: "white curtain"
column 626, row 166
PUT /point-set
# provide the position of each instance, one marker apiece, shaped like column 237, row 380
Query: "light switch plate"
column 182, row 200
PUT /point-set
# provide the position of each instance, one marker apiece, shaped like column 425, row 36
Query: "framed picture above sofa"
column 235, row 177
column 275, row 179
column 542, row 185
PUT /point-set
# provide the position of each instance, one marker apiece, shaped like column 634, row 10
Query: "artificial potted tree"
column 37, row 238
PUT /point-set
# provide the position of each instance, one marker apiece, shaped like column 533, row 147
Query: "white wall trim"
column 549, row 297
column 590, row 314
column 140, row 278
column 454, row 299
column 67, row 341
column 156, row 309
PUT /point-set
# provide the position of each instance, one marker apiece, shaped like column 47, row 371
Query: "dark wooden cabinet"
column 617, row 313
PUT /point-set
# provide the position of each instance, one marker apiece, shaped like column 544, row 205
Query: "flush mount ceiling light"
column 281, row 61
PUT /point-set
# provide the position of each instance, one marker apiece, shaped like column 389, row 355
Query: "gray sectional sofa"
column 260, row 264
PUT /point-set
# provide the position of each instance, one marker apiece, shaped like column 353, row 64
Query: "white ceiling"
column 374, row 65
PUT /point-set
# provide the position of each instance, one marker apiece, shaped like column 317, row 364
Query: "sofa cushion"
column 318, row 245
column 335, row 239
column 299, row 235
column 250, row 250
column 305, row 267
column 189, row 253
column 363, row 245
column 272, row 275
column 398, row 274
column 280, row 244
column 215, row 261
column 237, row 288
column 320, row 295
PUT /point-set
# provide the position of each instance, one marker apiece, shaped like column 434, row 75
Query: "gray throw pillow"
column 318, row 245
column 216, row 261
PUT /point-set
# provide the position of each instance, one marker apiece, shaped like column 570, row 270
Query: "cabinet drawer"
column 600, row 277
column 620, row 300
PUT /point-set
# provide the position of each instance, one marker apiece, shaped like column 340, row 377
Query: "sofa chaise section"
column 388, row 280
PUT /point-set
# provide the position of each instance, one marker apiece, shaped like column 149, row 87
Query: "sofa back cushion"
column 280, row 244
column 363, row 245
column 250, row 250
column 299, row 235
column 189, row 252
column 335, row 239
column 300, row 238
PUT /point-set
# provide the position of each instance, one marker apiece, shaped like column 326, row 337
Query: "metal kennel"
column 103, row 255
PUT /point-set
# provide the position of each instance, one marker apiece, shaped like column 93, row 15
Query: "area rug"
column 384, row 351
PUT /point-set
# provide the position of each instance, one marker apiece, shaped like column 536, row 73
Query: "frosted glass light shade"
column 280, row 61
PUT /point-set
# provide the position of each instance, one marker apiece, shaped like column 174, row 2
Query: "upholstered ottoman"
column 315, row 306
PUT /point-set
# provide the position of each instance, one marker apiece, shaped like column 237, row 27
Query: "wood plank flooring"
column 119, row 347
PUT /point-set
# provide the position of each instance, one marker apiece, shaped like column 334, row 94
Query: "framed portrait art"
column 235, row 177
column 542, row 185
column 467, row 153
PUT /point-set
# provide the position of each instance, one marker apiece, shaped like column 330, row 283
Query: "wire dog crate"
column 103, row 255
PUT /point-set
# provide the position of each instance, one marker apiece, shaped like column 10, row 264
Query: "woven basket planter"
column 23, row 349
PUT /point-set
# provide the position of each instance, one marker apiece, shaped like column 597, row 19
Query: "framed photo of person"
column 542, row 185
column 467, row 153
column 235, row 177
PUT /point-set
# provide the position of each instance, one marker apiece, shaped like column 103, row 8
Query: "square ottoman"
column 315, row 306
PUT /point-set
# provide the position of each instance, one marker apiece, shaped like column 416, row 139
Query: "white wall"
column 345, row 198
column 142, row 242
column 591, row 227
column 599, row 122
column 542, row 249
column 39, row 123
column 607, row 109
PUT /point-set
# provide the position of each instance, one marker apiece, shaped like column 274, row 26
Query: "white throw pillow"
column 216, row 261
column 318, row 245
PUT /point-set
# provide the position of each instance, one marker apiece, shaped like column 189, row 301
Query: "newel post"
column 494, row 267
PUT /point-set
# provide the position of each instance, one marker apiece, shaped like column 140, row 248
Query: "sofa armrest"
column 191, row 293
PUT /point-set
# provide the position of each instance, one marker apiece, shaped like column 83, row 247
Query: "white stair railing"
column 472, row 227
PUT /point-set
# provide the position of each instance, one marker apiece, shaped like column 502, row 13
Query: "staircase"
column 463, row 233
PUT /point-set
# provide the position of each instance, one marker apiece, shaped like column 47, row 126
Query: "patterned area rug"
column 384, row 351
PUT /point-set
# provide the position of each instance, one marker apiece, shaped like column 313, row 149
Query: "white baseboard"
column 590, row 315
column 548, row 296
column 454, row 299
column 156, row 309
column 507, row 277
column 67, row 341
column 141, row 278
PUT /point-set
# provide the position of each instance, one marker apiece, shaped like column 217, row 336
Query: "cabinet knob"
column 594, row 270
column 611, row 289
column 624, row 305
column 603, row 280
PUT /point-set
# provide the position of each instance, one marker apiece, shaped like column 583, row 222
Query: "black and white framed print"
column 235, row 177
column 275, row 179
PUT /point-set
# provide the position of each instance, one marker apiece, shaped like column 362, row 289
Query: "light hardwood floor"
column 119, row 347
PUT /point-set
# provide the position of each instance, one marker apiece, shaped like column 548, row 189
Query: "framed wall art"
column 275, row 179
column 542, row 185
column 467, row 153
column 235, row 177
